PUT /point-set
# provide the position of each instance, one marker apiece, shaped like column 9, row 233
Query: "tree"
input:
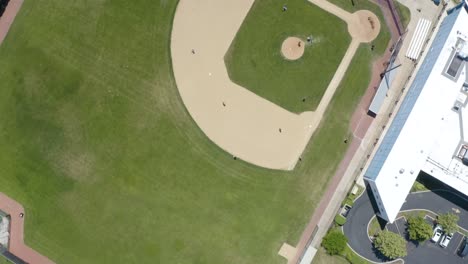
column 419, row 229
column 448, row 222
column 390, row 244
column 334, row 242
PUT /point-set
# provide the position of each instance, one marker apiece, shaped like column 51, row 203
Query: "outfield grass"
column 98, row 147
column 255, row 62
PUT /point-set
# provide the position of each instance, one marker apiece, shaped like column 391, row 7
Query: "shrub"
column 419, row 229
column 340, row 220
column 390, row 244
column 334, row 242
column 348, row 201
column 448, row 222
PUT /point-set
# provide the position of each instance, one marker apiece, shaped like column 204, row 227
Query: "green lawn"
column 404, row 12
column 98, row 147
column 321, row 257
column 255, row 62
column 374, row 227
column 354, row 258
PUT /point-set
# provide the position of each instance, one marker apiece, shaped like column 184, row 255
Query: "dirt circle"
column 365, row 26
column 292, row 48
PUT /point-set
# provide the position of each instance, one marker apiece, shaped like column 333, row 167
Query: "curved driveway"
column 362, row 212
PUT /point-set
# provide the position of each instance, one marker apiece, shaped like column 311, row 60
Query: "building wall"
column 375, row 191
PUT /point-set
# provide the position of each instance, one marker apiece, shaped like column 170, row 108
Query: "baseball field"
column 265, row 71
column 111, row 168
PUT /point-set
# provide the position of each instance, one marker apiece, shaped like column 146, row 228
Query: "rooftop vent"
column 463, row 154
column 463, row 51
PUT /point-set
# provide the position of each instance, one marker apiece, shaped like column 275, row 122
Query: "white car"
column 446, row 240
column 437, row 234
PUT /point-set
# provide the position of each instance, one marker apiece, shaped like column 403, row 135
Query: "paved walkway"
column 17, row 246
column 362, row 212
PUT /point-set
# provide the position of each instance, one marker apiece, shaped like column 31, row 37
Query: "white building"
column 430, row 130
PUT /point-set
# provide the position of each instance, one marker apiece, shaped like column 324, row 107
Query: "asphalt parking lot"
column 438, row 201
column 428, row 252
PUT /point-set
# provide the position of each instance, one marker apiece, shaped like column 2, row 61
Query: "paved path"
column 17, row 246
column 362, row 212
column 356, row 227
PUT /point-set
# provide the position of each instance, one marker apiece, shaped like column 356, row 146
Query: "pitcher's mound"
column 292, row 48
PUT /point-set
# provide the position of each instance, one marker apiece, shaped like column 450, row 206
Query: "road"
column 440, row 201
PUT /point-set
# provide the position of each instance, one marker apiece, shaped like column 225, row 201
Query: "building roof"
column 427, row 132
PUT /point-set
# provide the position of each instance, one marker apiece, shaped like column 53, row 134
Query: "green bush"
column 390, row 244
column 334, row 242
column 448, row 222
column 348, row 201
column 419, row 229
column 340, row 220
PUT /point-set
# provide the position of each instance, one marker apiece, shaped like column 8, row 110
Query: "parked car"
column 437, row 234
column 463, row 251
column 446, row 240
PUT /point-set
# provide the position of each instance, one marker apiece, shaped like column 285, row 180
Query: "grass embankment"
column 404, row 12
column 110, row 167
column 374, row 227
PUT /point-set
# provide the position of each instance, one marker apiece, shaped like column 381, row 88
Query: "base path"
column 16, row 243
column 237, row 120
